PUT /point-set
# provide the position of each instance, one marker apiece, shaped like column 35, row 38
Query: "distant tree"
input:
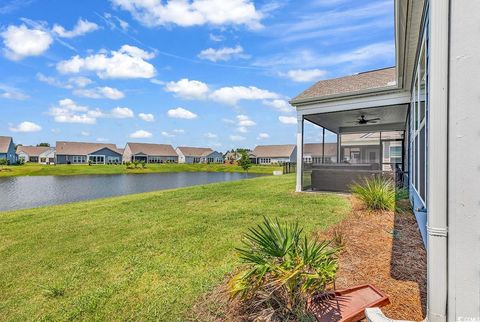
column 17, row 145
column 44, row 144
column 244, row 161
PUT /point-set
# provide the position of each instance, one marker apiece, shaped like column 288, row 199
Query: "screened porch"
column 340, row 148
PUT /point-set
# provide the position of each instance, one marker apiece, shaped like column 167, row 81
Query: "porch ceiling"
column 391, row 117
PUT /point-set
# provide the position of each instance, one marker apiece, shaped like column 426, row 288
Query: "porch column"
column 299, row 152
column 437, row 163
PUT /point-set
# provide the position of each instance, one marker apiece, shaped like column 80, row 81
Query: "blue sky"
column 187, row 72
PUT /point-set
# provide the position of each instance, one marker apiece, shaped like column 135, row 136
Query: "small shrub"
column 283, row 270
column 144, row 165
column 136, row 163
column 3, row 161
column 401, row 194
column 90, row 162
column 244, row 161
column 339, row 238
column 376, row 193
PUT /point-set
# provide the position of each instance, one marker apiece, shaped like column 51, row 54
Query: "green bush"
column 3, row 161
column 377, row 193
column 283, row 269
column 401, row 194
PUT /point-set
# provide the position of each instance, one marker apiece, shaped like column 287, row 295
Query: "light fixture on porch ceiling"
column 363, row 120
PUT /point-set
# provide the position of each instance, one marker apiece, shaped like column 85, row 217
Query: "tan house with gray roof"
column 85, row 152
column 149, row 153
column 198, row 155
column 274, row 154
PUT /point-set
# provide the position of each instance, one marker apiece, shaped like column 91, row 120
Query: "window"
column 79, row 159
column 418, row 123
column 96, row 159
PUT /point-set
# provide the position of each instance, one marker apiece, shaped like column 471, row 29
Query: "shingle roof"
column 81, row 148
column 152, row 149
column 33, row 151
column 194, row 152
column 376, row 79
column 5, row 143
column 274, row 151
column 316, row 149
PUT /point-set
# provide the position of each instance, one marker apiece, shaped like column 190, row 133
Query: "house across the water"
column 317, row 153
column 274, row 154
column 7, row 149
column 149, row 153
column 198, row 155
column 84, row 153
column 36, row 154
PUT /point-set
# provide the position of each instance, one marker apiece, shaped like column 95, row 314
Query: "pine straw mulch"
column 380, row 248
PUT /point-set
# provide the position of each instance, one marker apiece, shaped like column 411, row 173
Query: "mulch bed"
column 380, row 248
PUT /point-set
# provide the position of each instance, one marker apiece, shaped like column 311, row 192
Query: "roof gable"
column 33, row 151
column 152, row 149
column 5, row 143
column 81, row 148
column 194, row 152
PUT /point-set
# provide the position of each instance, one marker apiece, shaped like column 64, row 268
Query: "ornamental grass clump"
column 283, row 269
column 377, row 193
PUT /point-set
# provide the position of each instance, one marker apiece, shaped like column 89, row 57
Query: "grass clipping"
column 382, row 248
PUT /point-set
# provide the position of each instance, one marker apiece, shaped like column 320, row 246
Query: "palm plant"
column 377, row 193
column 283, row 269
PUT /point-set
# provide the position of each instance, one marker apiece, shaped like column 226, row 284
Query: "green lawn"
column 32, row 169
column 140, row 257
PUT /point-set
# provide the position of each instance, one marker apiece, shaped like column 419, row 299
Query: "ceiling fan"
column 363, row 120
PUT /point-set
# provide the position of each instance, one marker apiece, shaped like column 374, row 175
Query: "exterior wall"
column 24, row 156
column 48, row 155
column 161, row 159
column 65, row 159
column 217, row 157
column 464, row 162
column 11, row 155
column 181, row 156
column 127, row 154
column 107, row 153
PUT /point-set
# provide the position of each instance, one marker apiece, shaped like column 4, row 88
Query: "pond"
column 28, row 192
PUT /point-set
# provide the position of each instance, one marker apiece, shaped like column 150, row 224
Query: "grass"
column 33, row 169
column 140, row 257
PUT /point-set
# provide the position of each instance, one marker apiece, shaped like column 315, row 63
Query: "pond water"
column 29, row 192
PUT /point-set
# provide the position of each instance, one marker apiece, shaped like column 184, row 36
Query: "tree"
column 244, row 161
column 44, row 144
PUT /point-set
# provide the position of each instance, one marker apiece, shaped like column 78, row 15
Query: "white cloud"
column 262, row 136
column 122, row 113
column 179, row 131
column 140, row 134
column 85, row 133
column 216, row 38
column 244, row 120
column 147, row 117
column 242, row 129
column 231, row 95
column 279, row 104
column 115, row 22
column 68, row 111
column 100, row 92
column 102, row 140
column 222, row 54
column 167, row 134
column 127, row 62
column 72, row 82
column 188, row 13
column 304, row 75
column 21, row 42
column 181, row 113
column 210, row 135
column 236, row 138
column 82, row 27
column 26, row 127
column 80, row 81
column 12, row 93
column 188, row 89
column 287, row 119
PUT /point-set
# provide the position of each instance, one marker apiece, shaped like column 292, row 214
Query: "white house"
column 198, row 155
column 429, row 105
column 36, row 154
column 274, row 154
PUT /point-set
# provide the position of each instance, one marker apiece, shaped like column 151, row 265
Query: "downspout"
column 437, row 165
